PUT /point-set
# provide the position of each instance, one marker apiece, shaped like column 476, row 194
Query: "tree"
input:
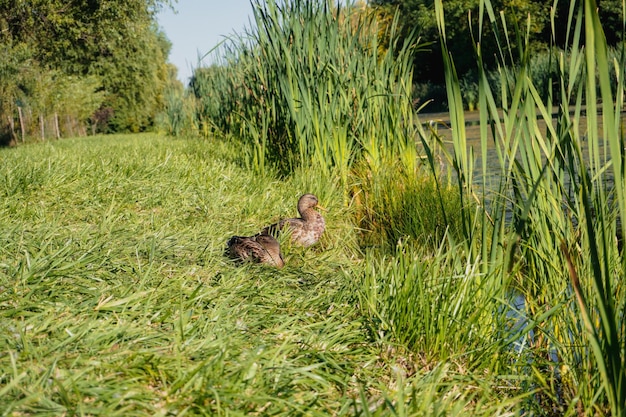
column 419, row 16
column 15, row 63
column 116, row 41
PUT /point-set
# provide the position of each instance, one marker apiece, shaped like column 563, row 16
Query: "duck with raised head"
column 261, row 248
column 306, row 229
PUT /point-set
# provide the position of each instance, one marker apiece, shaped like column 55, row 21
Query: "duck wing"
column 241, row 247
column 258, row 248
column 290, row 224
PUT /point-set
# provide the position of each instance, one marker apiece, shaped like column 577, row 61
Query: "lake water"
column 472, row 129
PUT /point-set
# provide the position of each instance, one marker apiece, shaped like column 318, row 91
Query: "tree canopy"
column 112, row 48
column 418, row 17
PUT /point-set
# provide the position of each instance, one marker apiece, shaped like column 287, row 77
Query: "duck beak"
column 321, row 207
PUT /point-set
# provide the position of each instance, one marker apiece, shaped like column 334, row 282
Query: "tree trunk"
column 13, row 139
column 56, row 125
column 11, row 126
column 43, row 133
column 22, row 128
column 70, row 125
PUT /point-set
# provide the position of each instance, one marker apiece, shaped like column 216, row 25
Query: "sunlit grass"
column 430, row 293
column 116, row 298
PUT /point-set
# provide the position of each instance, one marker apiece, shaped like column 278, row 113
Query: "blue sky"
column 198, row 26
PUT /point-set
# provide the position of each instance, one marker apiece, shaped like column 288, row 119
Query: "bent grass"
column 115, row 298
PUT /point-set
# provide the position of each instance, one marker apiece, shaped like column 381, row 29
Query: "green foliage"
column 545, row 72
column 80, row 97
column 134, row 75
column 214, row 88
column 117, row 299
column 13, row 63
column 560, row 181
column 314, row 94
column 179, row 115
column 418, row 17
column 69, row 101
column 74, row 46
column 393, row 207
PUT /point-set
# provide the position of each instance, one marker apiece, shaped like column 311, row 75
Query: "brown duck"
column 306, row 229
column 261, row 248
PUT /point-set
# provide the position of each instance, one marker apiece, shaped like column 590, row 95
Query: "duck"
column 260, row 248
column 305, row 230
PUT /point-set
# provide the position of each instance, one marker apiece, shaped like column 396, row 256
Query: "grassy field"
column 116, row 299
column 432, row 293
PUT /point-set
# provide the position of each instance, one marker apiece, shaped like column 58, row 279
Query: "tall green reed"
column 178, row 117
column 559, row 185
column 318, row 93
column 211, row 88
column 422, row 300
column 311, row 85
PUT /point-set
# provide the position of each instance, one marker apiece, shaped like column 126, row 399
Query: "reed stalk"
column 319, row 92
column 560, row 188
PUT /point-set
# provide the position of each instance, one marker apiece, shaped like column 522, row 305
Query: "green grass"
column 116, row 296
column 116, row 299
